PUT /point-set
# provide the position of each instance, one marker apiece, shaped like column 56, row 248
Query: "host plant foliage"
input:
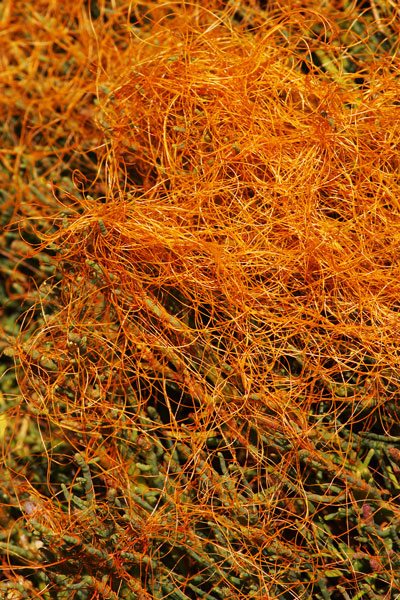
column 200, row 283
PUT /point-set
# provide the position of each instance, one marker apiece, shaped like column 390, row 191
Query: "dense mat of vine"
column 200, row 284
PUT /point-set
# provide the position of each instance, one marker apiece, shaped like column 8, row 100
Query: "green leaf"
column 333, row 573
